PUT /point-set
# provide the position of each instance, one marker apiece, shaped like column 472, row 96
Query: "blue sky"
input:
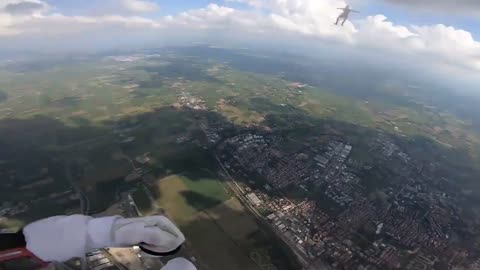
column 383, row 26
column 167, row 7
column 395, row 14
column 407, row 17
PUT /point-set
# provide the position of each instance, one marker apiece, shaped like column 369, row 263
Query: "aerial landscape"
column 241, row 157
column 266, row 159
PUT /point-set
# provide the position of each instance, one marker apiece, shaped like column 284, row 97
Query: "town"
column 331, row 207
column 339, row 222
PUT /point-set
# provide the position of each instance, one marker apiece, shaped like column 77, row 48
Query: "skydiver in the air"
column 344, row 15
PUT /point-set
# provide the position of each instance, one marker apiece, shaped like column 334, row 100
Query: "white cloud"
column 434, row 43
column 297, row 21
column 23, row 7
column 58, row 25
column 139, row 6
column 471, row 7
column 253, row 3
column 455, row 46
column 376, row 32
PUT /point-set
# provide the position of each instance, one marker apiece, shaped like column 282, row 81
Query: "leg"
column 338, row 19
column 179, row 264
column 344, row 20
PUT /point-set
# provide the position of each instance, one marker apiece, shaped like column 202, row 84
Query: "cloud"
column 139, row 6
column 61, row 26
column 434, row 43
column 471, row 7
column 293, row 23
column 22, row 8
column 312, row 21
column 253, row 3
column 27, row 7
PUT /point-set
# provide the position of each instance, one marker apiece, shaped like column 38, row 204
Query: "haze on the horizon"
column 434, row 37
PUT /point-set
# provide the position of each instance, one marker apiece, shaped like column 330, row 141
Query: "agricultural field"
column 182, row 197
column 218, row 228
column 94, row 91
column 77, row 108
column 74, row 129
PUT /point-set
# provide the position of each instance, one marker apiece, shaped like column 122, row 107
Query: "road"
column 84, row 203
column 238, row 192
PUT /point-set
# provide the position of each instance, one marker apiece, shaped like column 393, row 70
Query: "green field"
column 221, row 233
column 11, row 224
column 78, row 111
column 183, row 198
column 95, row 91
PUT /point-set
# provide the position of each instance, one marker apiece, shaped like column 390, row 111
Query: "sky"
column 441, row 35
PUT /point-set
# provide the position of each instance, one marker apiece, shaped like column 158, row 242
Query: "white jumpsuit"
column 61, row 238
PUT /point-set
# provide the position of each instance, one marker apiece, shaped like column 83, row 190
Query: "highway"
column 84, row 203
column 236, row 189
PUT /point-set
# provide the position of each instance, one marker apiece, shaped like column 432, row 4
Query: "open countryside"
column 260, row 166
